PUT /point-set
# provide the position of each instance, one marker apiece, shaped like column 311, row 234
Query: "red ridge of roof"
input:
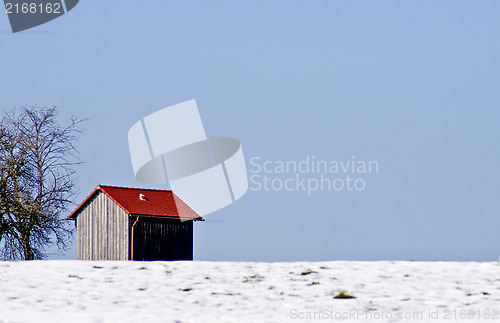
column 163, row 203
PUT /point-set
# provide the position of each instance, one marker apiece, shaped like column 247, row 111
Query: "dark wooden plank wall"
column 102, row 230
column 160, row 239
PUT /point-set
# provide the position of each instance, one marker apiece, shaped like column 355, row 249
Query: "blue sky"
column 412, row 85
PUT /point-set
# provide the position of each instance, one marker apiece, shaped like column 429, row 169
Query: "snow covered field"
column 111, row 291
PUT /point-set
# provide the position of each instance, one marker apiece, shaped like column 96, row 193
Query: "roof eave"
column 168, row 217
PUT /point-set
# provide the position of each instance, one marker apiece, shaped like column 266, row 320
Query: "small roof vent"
column 142, row 197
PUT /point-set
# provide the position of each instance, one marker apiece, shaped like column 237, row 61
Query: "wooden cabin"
column 121, row 223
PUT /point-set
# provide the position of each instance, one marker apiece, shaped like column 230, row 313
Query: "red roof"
column 143, row 201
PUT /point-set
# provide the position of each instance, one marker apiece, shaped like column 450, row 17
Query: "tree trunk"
column 28, row 252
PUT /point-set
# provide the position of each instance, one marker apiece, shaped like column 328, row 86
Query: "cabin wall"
column 102, row 230
column 162, row 239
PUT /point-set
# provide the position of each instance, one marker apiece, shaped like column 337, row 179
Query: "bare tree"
column 37, row 167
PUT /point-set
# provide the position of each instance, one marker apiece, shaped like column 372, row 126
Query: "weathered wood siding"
column 161, row 239
column 102, row 230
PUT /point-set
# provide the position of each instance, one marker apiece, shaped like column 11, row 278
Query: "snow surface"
column 198, row 291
